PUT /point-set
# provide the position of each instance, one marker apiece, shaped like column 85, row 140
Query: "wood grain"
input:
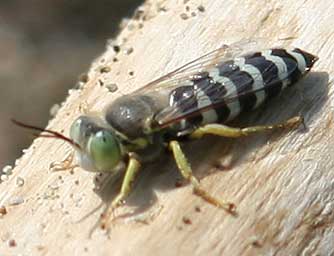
column 282, row 183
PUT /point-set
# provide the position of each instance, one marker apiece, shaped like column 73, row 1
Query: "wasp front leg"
column 64, row 165
column 131, row 172
column 186, row 172
column 226, row 131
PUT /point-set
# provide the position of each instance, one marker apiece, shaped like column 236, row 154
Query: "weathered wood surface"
column 282, row 183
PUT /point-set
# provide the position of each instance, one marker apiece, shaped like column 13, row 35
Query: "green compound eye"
column 104, row 150
column 75, row 131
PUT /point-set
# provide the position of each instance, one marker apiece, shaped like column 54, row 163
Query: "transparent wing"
column 183, row 78
column 192, row 100
column 194, row 68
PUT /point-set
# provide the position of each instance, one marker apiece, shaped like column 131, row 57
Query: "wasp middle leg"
column 186, row 172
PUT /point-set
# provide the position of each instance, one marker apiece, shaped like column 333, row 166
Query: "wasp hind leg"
column 131, row 172
column 231, row 132
column 186, row 172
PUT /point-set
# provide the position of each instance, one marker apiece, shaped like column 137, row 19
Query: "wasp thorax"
column 99, row 146
column 130, row 115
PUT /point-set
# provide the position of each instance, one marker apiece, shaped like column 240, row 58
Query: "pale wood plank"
column 282, row 183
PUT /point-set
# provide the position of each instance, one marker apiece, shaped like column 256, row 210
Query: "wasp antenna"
column 28, row 126
column 50, row 133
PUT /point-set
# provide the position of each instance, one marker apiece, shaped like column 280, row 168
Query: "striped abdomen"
column 239, row 85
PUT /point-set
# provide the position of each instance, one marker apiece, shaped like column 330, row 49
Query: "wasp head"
column 99, row 148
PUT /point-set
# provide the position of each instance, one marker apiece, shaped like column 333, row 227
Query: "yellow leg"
column 186, row 172
column 64, row 165
column 130, row 175
column 226, row 131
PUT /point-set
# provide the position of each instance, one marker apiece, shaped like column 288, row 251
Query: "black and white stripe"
column 249, row 80
column 258, row 83
column 184, row 99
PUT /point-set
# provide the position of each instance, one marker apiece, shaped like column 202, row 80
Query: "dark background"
column 44, row 46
